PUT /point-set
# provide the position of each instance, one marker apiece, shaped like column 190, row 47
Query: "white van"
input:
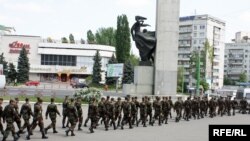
column 2, row 81
column 243, row 92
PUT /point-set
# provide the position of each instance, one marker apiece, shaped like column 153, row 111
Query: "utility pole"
column 198, row 73
column 182, row 87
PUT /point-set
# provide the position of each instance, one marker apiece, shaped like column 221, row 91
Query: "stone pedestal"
column 143, row 81
column 167, row 32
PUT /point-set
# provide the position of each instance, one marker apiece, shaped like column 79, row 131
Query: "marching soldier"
column 64, row 111
column 234, row 105
column 203, row 107
column 212, row 107
column 143, row 113
column 37, row 119
column 9, row 116
column 110, row 114
column 72, row 117
column 221, row 105
column 166, row 109
column 243, row 104
column 171, row 106
column 93, row 114
column 17, row 119
column 158, row 110
column 118, row 111
column 1, row 116
column 126, row 107
column 52, row 111
column 187, row 107
column 134, row 111
column 228, row 106
column 78, row 106
column 177, row 108
column 102, row 111
column 26, row 112
column 149, row 109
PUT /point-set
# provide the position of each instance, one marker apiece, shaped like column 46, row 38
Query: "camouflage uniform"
column 78, row 106
column 126, row 107
column 9, row 116
column 234, row 105
column 102, row 111
column 52, row 111
column 212, row 107
column 171, row 106
column 26, row 112
column 149, row 109
column 202, row 107
column 110, row 114
column 177, row 108
column 93, row 114
column 17, row 119
column 157, row 105
column 165, row 109
column 228, row 106
column 195, row 108
column 243, row 104
column 143, row 113
column 134, row 111
column 37, row 119
column 72, row 117
column 187, row 107
column 221, row 105
column 1, row 116
column 64, row 111
column 118, row 111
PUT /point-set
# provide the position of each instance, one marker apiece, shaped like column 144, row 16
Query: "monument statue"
column 145, row 40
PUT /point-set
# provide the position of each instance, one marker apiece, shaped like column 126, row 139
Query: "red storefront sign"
column 16, row 47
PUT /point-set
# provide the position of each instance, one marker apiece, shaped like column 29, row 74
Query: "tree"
column 111, row 80
column 64, row 40
column 5, row 64
column 134, row 60
column 71, row 39
column 82, row 41
column 128, row 74
column 12, row 74
column 228, row 81
column 23, row 66
column 204, row 84
column 90, row 37
column 97, row 69
column 243, row 77
column 106, row 36
column 123, row 42
column 180, row 79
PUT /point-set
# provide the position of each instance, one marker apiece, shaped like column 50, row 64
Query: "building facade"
column 194, row 31
column 237, row 57
column 55, row 61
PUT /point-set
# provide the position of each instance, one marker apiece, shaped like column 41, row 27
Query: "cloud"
column 27, row 7
column 245, row 16
column 133, row 3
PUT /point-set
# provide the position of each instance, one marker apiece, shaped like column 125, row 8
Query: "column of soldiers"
column 112, row 113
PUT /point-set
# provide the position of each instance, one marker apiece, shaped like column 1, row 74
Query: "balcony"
column 185, row 38
column 184, row 45
column 184, row 51
column 185, row 30
column 183, row 59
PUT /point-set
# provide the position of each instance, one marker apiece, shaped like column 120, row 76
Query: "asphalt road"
column 194, row 130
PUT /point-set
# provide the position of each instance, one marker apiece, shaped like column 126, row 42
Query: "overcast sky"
column 58, row 18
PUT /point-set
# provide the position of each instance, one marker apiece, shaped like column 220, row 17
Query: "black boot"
column 72, row 133
column 67, row 132
column 43, row 135
column 15, row 137
column 91, row 130
column 4, row 139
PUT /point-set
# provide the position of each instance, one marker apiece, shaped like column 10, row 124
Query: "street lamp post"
column 198, row 73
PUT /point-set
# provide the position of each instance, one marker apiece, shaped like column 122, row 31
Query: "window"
column 195, row 42
column 61, row 60
column 225, row 56
column 202, row 27
column 246, row 56
column 195, row 27
column 202, row 34
column 195, row 34
column 201, row 41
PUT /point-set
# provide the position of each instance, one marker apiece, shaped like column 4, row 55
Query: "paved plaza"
column 194, row 130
